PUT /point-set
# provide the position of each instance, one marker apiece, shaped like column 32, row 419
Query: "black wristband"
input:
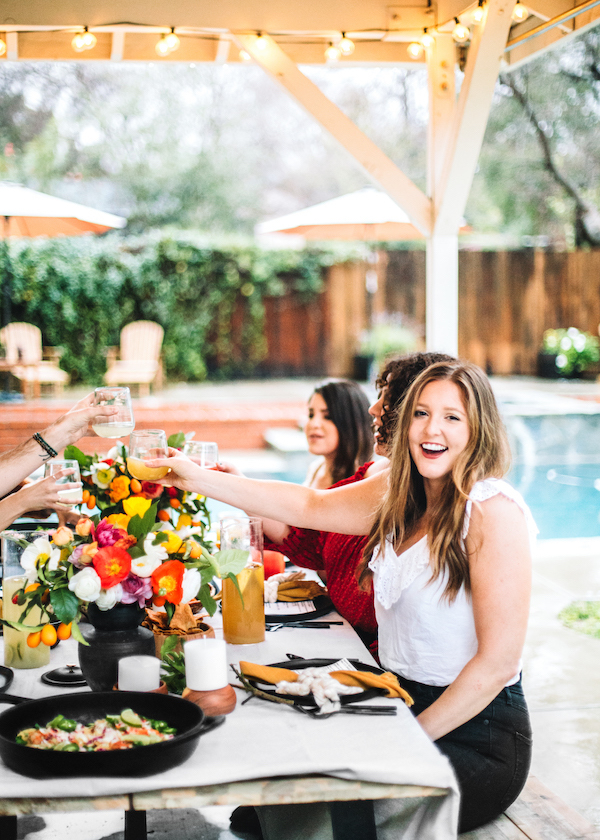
column 50, row 453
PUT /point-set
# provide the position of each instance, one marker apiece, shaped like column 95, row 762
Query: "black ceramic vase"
column 111, row 635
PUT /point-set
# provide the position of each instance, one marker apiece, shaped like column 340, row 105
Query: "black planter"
column 546, row 366
column 361, row 367
column 111, row 635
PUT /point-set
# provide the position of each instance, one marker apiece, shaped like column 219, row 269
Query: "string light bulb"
column 333, row 53
column 2, row 47
column 478, row 13
column 245, row 56
column 520, row 13
column 261, row 42
column 415, row 50
column 461, row 33
column 172, row 40
column 162, row 48
column 427, row 40
column 346, row 46
column 84, row 40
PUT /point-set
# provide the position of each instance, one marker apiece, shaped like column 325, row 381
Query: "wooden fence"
column 506, row 301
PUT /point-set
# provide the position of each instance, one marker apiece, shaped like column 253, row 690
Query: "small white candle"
column 139, row 673
column 206, row 664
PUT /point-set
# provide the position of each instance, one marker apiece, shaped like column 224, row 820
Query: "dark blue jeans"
column 490, row 754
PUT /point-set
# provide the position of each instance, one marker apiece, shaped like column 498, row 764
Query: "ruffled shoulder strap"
column 489, row 487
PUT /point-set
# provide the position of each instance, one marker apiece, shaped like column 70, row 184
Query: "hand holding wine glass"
column 202, row 452
column 144, row 446
column 66, row 473
column 116, row 425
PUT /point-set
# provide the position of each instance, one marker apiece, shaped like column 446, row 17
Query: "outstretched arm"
column 27, row 457
column 500, row 569
column 344, row 510
column 38, row 495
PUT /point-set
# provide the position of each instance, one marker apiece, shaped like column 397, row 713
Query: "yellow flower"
column 119, row 520
column 136, row 505
column 119, row 488
column 184, row 521
column 173, row 543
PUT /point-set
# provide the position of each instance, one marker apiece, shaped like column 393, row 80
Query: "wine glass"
column 145, row 446
column 202, row 452
column 68, row 497
column 115, row 425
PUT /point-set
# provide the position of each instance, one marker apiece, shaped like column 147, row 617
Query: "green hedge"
column 82, row 291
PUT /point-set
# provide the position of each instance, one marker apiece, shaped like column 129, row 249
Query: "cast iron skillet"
column 189, row 720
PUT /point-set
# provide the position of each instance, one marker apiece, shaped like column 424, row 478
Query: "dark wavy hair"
column 397, row 375
column 348, row 408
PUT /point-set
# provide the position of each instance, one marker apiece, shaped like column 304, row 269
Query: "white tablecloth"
column 260, row 740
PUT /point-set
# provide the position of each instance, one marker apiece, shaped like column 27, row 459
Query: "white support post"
column 367, row 154
column 441, row 301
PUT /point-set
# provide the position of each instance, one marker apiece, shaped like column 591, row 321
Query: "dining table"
column 349, row 776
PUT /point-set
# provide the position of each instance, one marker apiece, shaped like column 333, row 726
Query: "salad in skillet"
column 113, row 732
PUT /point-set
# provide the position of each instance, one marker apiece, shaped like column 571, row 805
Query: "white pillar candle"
column 139, row 673
column 206, row 664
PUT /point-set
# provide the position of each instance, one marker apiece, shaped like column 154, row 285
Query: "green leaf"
column 177, row 440
column 206, row 599
column 139, row 526
column 170, row 610
column 72, row 453
column 233, row 578
column 17, row 625
column 76, row 634
column 231, row 561
column 65, row 604
column 169, row 644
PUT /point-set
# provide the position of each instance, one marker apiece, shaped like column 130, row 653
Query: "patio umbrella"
column 30, row 213
column 367, row 214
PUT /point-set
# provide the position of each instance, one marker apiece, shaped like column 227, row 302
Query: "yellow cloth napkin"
column 299, row 590
column 364, row 679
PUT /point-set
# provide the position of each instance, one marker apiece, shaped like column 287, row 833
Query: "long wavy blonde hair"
column 486, row 455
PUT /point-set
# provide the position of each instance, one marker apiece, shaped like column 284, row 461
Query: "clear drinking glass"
column 144, row 446
column 244, row 618
column 17, row 653
column 203, row 452
column 115, row 425
column 69, row 497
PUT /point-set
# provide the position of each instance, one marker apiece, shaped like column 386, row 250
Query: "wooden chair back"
column 23, row 343
column 141, row 341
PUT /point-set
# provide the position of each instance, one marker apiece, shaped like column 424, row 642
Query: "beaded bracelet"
column 50, row 452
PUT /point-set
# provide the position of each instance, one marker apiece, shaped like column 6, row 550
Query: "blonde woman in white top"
column 449, row 554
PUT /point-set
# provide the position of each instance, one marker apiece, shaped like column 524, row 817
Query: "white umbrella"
column 367, row 214
column 30, row 213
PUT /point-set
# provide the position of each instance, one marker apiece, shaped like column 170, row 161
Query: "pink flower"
column 136, row 589
column 107, row 534
column 151, row 490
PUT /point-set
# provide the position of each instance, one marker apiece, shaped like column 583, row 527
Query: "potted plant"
column 382, row 340
column 567, row 352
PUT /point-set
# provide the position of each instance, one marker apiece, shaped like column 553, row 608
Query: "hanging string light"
column 460, row 33
column 172, row 40
column 346, row 46
column 162, row 48
column 427, row 39
column 333, row 53
column 261, row 42
column 84, row 40
column 478, row 13
column 520, row 13
column 2, row 47
column 415, row 50
column 245, row 56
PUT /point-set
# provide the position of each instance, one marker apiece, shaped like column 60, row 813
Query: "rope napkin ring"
column 291, row 586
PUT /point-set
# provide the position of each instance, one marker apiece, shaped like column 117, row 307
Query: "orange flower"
column 119, row 488
column 126, row 542
column 112, row 565
column 89, row 551
column 167, row 581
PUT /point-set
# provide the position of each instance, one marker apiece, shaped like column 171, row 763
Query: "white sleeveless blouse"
column 421, row 636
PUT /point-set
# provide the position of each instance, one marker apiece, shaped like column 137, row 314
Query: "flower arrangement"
column 574, row 350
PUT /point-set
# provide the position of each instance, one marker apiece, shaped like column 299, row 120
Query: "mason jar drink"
column 244, row 610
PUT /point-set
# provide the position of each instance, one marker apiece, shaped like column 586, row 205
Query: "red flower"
column 167, row 581
column 172, row 491
column 150, row 490
column 112, row 565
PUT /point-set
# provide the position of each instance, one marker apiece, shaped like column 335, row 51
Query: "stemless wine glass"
column 144, row 446
column 115, row 425
column 67, row 497
column 203, row 452
column 244, row 617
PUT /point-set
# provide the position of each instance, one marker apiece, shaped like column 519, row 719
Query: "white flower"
column 109, row 597
column 190, row 585
column 566, row 343
column 561, row 361
column 115, row 454
column 144, row 566
column 86, row 584
column 573, row 332
column 102, row 474
column 579, row 342
column 154, row 552
column 40, row 551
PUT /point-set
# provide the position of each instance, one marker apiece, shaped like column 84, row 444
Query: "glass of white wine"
column 70, row 497
column 205, row 453
column 145, row 446
column 114, row 425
